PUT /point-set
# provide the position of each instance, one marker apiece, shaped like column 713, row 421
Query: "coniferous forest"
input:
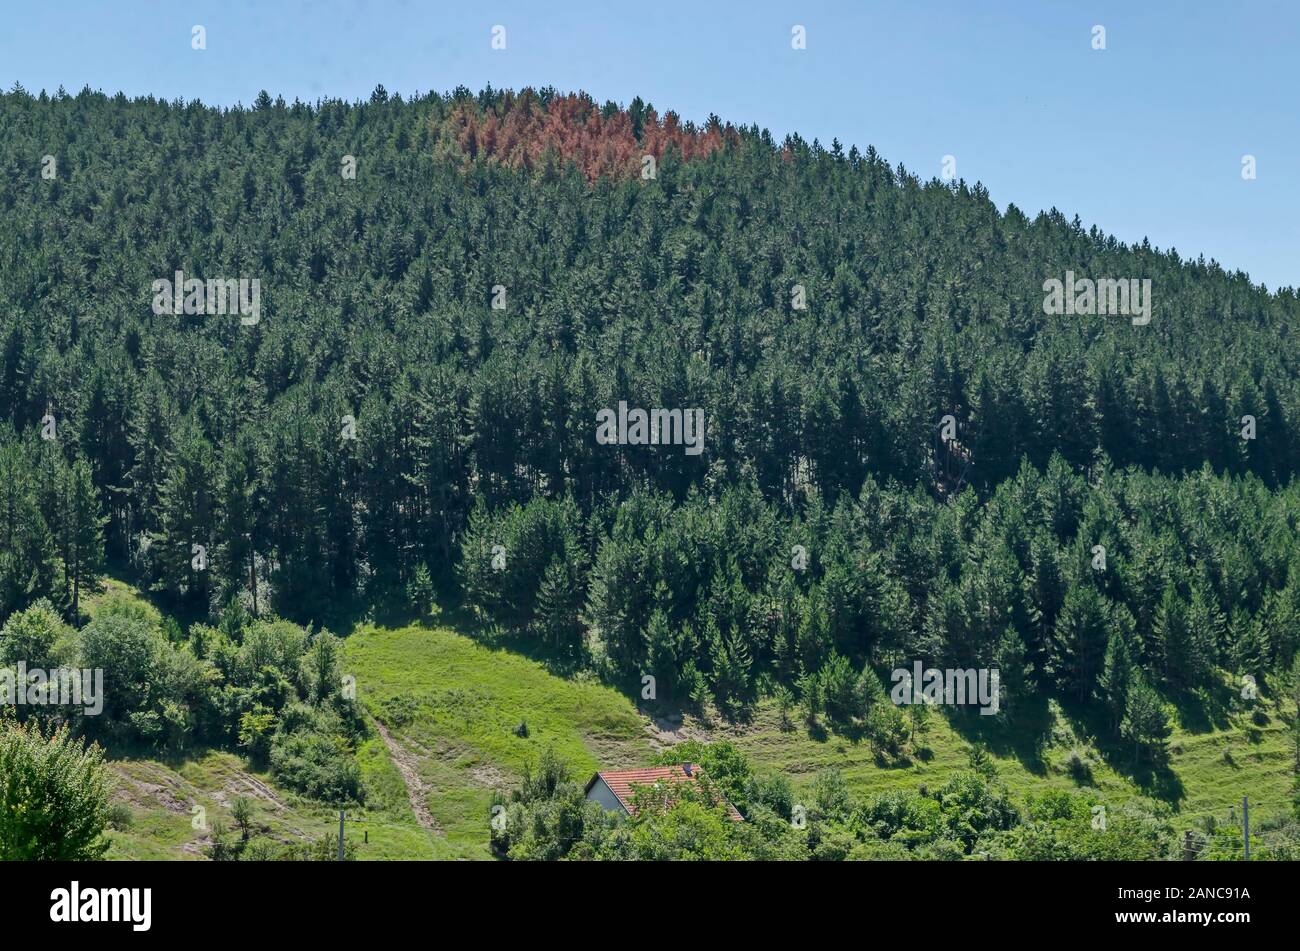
column 904, row 457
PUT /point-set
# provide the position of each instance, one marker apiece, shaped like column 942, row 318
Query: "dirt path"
column 262, row 790
column 405, row 763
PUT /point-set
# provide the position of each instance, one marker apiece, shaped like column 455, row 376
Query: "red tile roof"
column 621, row 782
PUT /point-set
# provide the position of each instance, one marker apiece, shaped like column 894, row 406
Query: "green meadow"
column 452, row 720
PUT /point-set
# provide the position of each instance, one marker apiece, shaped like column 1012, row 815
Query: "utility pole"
column 1245, row 824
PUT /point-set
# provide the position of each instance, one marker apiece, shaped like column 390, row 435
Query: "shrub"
column 311, row 754
column 53, row 796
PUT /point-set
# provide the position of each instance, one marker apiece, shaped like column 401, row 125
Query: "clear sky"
column 1144, row 138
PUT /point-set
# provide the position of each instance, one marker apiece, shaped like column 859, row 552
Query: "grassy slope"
column 464, row 702
column 161, row 796
column 451, row 706
column 1214, row 769
column 471, row 697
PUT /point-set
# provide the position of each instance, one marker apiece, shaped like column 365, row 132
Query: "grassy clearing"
column 451, row 707
column 454, row 707
column 455, row 703
column 1208, row 772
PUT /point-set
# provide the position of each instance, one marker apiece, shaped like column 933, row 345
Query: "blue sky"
column 1144, row 139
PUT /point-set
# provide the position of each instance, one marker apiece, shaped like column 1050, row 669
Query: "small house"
column 614, row 790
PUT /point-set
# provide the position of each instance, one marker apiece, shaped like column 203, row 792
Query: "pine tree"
column 1293, row 686
column 730, row 661
column 85, row 551
column 1145, row 721
column 188, row 524
column 1180, row 648
column 235, row 552
column 918, row 718
column 661, row 647
column 1251, row 651
column 1208, row 626
column 557, row 607
column 419, row 590
column 1116, row 678
column 815, row 642
column 27, row 552
column 1079, row 641
column 1011, row 660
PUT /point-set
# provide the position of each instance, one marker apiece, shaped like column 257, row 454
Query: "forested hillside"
column 452, row 290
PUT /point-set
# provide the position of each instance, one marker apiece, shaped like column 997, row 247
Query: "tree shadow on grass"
column 563, row 661
column 883, row 759
column 1022, row 732
column 817, row 731
column 341, row 616
column 1203, row 710
column 1153, row 776
column 1151, row 773
column 135, row 750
